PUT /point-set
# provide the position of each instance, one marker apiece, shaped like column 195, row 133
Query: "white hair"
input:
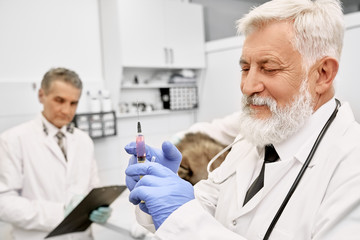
column 318, row 24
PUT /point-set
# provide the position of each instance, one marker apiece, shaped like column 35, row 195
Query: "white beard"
column 283, row 122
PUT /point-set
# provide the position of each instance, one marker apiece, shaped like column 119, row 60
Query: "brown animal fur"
column 197, row 150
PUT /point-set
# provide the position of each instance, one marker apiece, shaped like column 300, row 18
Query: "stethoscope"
column 300, row 174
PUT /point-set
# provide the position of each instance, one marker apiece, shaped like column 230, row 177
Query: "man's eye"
column 270, row 70
column 244, row 69
column 59, row 100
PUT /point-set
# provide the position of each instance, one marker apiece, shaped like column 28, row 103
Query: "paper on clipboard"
column 78, row 219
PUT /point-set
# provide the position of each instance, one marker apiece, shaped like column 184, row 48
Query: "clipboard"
column 78, row 219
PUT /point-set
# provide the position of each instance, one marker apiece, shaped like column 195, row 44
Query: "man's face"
column 60, row 103
column 271, row 68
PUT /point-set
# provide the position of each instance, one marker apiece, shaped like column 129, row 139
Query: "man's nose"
column 66, row 109
column 251, row 83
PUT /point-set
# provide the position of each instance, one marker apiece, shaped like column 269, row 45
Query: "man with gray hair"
column 46, row 165
column 294, row 170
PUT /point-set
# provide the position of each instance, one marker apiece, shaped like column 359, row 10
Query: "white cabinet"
column 141, row 35
column 220, row 83
column 161, row 34
column 184, row 34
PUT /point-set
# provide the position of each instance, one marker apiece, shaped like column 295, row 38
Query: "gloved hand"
column 75, row 200
column 100, row 215
column 132, row 180
column 162, row 190
column 169, row 156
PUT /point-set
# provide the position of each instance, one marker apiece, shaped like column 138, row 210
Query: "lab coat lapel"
column 71, row 147
column 51, row 144
column 243, row 179
column 270, row 180
column 273, row 177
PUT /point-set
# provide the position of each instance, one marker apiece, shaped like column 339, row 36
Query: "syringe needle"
column 137, row 108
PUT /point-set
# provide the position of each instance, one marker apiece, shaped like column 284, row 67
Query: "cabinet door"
column 184, row 34
column 220, row 83
column 141, row 33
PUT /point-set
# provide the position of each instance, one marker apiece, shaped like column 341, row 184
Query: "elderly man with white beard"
column 294, row 170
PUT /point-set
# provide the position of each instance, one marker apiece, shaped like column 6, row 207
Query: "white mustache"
column 257, row 100
column 283, row 122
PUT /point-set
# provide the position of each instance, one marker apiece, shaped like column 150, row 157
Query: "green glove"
column 73, row 203
column 100, row 215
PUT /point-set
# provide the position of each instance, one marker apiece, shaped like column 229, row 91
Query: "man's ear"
column 41, row 95
column 327, row 70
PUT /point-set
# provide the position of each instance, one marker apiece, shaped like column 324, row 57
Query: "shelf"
column 143, row 114
column 97, row 125
column 154, row 113
column 144, row 86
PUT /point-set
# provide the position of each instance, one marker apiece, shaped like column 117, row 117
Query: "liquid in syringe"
column 140, row 145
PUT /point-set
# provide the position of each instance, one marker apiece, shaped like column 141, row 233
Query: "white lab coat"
column 36, row 181
column 223, row 130
column 326, row 204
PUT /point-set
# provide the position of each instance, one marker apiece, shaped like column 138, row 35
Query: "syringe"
column 140, row 141
column 140, row 145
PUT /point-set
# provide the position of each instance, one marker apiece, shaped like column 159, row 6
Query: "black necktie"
column 270, row 156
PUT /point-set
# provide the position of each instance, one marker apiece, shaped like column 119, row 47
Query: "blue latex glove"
column 169, row 156
column 100, row 215
column 132, row 180
column 162, row 190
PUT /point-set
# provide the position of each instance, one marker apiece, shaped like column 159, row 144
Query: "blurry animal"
column 197, row 150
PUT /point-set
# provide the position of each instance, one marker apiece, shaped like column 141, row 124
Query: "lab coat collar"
column 51, row 130
column 299, row 145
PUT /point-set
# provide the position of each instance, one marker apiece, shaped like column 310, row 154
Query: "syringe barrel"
column 140, row 148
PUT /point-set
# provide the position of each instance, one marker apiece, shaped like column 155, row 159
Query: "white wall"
column 39, row 34
column 347, row 82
